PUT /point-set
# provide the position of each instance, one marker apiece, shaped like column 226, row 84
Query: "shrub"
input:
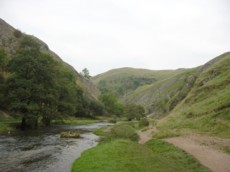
column 124, row 132
column 17, row 33
column 143, row 122
column 113, row 121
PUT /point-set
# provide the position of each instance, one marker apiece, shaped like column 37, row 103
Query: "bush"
column 143, row 122
column 114, row 120
column 17, row 33
column 124, row 132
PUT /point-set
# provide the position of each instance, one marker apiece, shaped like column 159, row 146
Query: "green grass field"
column 128, row 156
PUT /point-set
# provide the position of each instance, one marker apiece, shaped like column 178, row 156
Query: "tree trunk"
column 23, row 123
column 46, row 121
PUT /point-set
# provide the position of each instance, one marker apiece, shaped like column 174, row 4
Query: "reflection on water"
column 43, row 149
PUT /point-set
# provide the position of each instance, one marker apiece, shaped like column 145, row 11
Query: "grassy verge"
column 126, row 156
column 100, row 131
column 227, row 149
column 74, row 121
column 6, row 127
column 8, row 123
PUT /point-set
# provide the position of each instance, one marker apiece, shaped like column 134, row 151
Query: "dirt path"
column 206, row 149
column 146, row 135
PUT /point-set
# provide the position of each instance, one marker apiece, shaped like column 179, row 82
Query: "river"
column 43, row 150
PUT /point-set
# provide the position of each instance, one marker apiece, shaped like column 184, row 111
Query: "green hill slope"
column 157, row 91
column 163, row 95
column 207, row 106
column 10, row 40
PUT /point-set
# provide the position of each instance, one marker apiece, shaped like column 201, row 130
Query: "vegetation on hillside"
column 36, row 86
column 207, row 107
column 157, row 91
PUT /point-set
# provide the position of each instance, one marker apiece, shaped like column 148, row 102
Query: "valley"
column 158, row 120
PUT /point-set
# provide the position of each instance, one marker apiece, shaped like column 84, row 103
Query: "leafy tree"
column 85, row 73
column 133, row 111
column 3, row 63
column 3, row 60
column 38, row 86
column 112, row 105
column 31, row 86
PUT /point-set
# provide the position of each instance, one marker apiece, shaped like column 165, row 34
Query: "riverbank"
column 118, row 151
column 126, row 156
column 9, row 124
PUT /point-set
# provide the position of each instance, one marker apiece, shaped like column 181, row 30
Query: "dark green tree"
column 133, row 111
column 31, row 86
column 112, row 105
column 3, row 63
column 85, row 73
column 3, row 60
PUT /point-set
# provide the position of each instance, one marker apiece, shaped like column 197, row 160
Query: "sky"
column 104, row 34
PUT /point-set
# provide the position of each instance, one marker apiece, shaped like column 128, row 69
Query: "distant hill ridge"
column 159, row 91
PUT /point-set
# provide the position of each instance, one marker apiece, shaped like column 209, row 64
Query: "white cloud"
column 105, row 34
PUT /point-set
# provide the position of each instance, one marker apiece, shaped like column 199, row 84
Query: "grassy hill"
column 197, row 98
column 207, row 106
column 158, row 91
column 163, row 95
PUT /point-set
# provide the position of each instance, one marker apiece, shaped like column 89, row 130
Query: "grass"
column 124, row 132
column 6, row 127
column 227, row 149
column 126, row 156
column 74, row 121
column 8, row 123
column 206, row 109
column 118, row 131
column 100, row 131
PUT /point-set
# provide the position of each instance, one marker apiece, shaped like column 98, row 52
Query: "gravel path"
column 206, row 149
column 146, row 135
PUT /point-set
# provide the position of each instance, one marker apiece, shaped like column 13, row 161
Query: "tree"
column 112, row 105
column 85, row 73
column 31, row 86
column 133, row 111
column 3, row 61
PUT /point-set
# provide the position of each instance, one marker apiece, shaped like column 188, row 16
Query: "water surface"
column 43, row 149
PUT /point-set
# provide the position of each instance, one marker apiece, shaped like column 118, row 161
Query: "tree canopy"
column 39, row 86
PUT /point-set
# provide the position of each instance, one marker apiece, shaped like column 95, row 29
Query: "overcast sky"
column 105, row 34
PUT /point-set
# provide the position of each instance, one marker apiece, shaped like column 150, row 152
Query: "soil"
column 146, row 135
column 208, row 150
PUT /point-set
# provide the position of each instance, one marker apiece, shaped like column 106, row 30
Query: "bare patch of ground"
column 208, row 150
column 146, row 135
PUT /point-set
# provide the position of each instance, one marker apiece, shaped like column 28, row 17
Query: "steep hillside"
column 207, row 106
column 158, row 91
column 9, row 41
column 163, row 95
column 125, row 80
column 36, row 86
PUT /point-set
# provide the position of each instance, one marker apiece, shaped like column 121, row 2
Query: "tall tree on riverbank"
column 3, row 63
column 31, row 86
